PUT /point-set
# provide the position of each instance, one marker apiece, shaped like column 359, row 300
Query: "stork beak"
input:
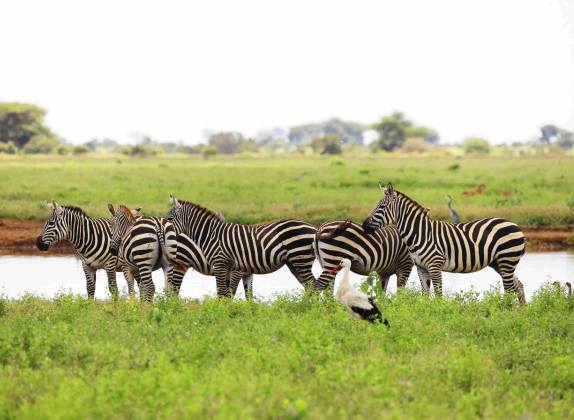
column 336, row 268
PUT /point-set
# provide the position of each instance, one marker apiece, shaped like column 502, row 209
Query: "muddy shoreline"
column 18, row 237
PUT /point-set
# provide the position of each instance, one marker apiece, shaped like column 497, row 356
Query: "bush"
column 476, row 145
column 208, row 151
column 138, row 150
column 80, row 150
column 415, row 145
column 41, row 144
column 189, row 150
column 62, row 150
column 8, row 148
column 329, row 144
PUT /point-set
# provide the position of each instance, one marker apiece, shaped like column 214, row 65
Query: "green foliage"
column 208, row 151
column 80, row 150
column 314, row 188
column 139, row 150
column 329, row 144
column 476, row 145
column 21, row 123
column 41, row 144
column 414, row 145
column 442, row 358
column 394, row 129
column 372, row 286
column 8, row 148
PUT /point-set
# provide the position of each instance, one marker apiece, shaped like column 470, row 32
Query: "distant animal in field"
column 436, row 246
column 474, row 191
column 505, row 193
column 357, row 303
column 91, row 239
column 451, row 212
column 383, row 252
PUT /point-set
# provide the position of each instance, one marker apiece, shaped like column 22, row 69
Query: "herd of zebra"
column 396, row 235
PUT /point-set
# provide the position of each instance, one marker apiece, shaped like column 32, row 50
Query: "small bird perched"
column 453, row 214
column 358, row 304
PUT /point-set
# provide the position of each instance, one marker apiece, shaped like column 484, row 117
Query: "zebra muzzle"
column 41, row 245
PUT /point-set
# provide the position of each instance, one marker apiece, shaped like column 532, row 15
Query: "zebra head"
column 175, row 214
column 55, row 228
column 122, row 219
column 384, row 213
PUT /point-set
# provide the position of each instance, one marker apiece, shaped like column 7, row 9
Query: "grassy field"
column 529, row 191
column 70, row 358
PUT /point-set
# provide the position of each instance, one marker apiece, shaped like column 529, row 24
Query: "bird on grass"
column 357, row 303
column 453, row 214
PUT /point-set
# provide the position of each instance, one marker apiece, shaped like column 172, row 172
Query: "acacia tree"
column 20, row 123
column 394, row 129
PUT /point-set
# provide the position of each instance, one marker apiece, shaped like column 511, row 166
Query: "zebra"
column 257, row 249
column 437, row 246
column 383, row 252
column 142, row 245
column 146, row 243
column 91, row 239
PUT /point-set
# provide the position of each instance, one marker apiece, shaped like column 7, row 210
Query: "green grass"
column 294, row 358
column 313, row 188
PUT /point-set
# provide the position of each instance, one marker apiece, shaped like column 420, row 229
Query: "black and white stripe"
column 256, row 249
column 91, row 239
column 142, row 246
column 437, row 246
column 382, row 252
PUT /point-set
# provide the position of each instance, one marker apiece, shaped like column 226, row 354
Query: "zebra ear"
column 219, row 215
column 388, row 190
column 111, row 209
column 57, row 208
column 136, row 211
column 174, row 201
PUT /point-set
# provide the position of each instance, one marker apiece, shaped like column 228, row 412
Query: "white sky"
column 175, row 69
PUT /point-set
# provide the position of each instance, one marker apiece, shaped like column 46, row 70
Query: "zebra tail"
column 164, row 251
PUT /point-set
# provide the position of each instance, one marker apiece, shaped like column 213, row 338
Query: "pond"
column 49, row 276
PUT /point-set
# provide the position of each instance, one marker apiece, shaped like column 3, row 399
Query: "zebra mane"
column 201, row 209
column 415, row 203
column 75, row 210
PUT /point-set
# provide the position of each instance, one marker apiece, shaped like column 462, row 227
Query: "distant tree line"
column 22, row 129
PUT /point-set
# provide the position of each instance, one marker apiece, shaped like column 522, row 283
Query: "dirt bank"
column 19, row 237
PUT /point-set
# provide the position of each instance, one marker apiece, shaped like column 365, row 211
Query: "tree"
column 41, row 144
column 208, row 151
column 548, row 132
column 329, row 144
column 20, row 123
column 565, row 139
column 226, row 142
column 348, row 132
column 476, row 145
column 414, row 145
column 392, row 131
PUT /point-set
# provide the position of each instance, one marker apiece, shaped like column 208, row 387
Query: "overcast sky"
column 178, row 69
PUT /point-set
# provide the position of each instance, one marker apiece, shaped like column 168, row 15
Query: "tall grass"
column 293, row 358
column 529, row 191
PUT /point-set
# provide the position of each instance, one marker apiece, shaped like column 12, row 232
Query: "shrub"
column 415, row 145
column 8, row 148
column 476, row 145
column 208, row 151
column 80, row 150
column 41, row 144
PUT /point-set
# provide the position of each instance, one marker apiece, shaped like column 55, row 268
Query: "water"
column 49, row 276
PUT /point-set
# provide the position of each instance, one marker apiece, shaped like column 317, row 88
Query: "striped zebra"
column 256, row 249
column 383, row 252
column 91, row 239
column 437, row 246
column 142, row 245
column 147, row 243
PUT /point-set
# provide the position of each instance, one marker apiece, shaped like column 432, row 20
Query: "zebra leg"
column 248, row 286
column 176, row 279
column 424, row 278
column 147, row 288
column 511, row 284
column 384, row 281
column 130, row 281
column 221, row 273
column 112, row 285
column 302, row 273
column 325, row 280
column 90, row 280
column 436, row 277
column 519, row 287
column 234, row 280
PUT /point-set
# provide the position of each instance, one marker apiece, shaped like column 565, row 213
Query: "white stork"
column 358, row 304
